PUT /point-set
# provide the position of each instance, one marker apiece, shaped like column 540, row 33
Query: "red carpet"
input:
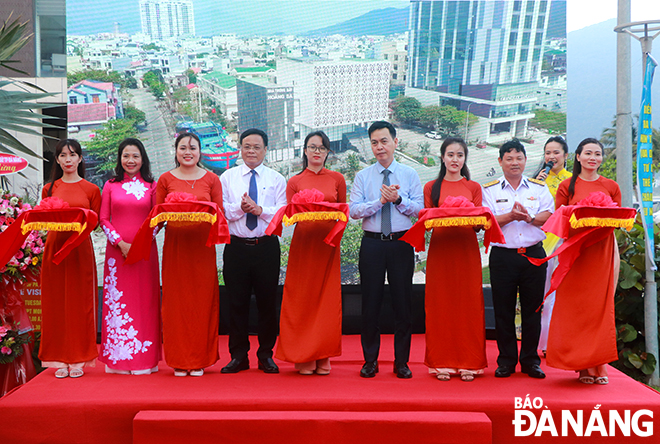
column 101, row 408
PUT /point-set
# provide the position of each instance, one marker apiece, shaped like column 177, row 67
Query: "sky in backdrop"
column 583, row 13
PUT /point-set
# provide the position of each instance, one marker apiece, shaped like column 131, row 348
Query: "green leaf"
column 649, row 364
column 635, row 360
column 638, row 261
column 629, row 275
column 626, row 333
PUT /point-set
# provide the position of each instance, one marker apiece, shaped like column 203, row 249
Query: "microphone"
column 548, row 166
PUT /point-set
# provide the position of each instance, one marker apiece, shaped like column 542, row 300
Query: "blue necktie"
column 385, row 217
column 251, row 221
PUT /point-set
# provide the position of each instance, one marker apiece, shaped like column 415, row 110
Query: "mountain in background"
column 378, row 22
column 591, row 54
column 241, row 17
column 389, row 21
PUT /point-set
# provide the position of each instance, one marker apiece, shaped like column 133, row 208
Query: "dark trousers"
column 512, row 274
column 397, row 259
column 249, row 268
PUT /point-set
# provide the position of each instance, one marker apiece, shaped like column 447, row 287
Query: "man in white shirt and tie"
column 252, row 194
column 385, row 196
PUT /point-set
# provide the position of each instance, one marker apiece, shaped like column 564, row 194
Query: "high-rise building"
column 337, row 97
column 162, row 19
column 481, row 56
column 270, row 108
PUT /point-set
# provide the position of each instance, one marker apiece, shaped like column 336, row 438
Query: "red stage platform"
column 340, row 408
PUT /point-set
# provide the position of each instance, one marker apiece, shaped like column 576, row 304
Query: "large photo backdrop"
column 486, row 71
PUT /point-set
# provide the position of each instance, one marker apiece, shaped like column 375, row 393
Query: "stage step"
column 311, row 427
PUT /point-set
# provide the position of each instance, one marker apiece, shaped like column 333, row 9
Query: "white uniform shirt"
column 536, row 198
column 271, row 187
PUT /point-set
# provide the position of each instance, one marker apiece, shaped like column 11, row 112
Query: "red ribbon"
column 141, row 246
column 12, row 238
column 333, row 238
column 415, row 235
column 560, row 225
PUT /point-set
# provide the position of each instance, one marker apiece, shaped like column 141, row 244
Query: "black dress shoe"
column 402, row 371
column 533, row 371
column 369, row 369
column 268, row 366
column 236, row 365
column 504, row 371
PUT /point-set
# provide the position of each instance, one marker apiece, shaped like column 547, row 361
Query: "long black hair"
column 325, row 140
column 56, row 171
column 182, row 136
column 145, row 169
column 560, row 140
column 465, row 172
column 577, row 167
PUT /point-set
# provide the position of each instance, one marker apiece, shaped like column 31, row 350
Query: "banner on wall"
column 10, row 164
column 31, row 295
column 645, row 159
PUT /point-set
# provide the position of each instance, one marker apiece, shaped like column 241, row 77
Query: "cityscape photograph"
column 484, row 71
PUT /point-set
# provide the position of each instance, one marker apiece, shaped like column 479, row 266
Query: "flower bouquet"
column 25, row 264
column 11, row 343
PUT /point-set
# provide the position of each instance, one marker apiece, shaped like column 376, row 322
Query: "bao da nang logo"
column 533, row 418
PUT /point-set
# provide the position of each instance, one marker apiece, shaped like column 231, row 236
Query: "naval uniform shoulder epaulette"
column 536, row 181
column 490, row 184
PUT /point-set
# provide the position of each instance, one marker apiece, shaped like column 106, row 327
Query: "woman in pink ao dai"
column 130, row 333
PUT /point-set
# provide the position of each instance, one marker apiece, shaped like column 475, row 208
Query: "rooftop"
column 102, row 86
column 253, row 68
column 222, row 80
column 89, row 113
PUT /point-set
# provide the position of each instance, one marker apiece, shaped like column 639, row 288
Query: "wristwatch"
column 398, row 201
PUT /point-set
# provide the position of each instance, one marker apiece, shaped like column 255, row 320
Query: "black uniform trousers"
column 252, row 267
column 512, row 274
column 397, row 259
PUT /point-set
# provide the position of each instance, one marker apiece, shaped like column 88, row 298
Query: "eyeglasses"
column 320, row 149
column 251, row 148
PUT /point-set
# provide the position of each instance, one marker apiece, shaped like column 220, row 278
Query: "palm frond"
column 12, row 39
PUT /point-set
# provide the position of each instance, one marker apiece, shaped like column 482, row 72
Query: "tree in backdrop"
column 213, row 114
column 445, row 118
column 183, row 102
column 151, row 47
column 424, row 148
column 608, row 139
column 453, row 119
column 97, row 75
column 192, row 77
column 552, row 121
column 135, row 114
column 154, row 80
column 406, row 109
column 131, row 82
column 429, row 116
column 103, row 147
column 352, row 166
